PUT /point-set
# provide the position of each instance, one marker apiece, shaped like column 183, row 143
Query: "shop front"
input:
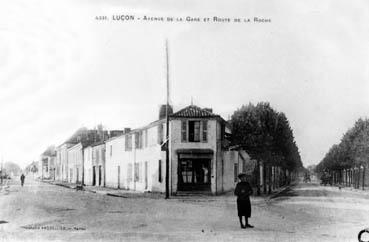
column 194, row 170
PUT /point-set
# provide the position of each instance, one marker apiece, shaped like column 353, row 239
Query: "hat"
column 241, row 175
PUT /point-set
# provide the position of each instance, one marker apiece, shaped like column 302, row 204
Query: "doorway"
column 100, row 174
column 118, row 177
column 146, row 175
column 94, row 176
column 77, row 178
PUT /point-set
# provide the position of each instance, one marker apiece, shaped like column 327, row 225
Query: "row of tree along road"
column 347, row 163
column 267, row 137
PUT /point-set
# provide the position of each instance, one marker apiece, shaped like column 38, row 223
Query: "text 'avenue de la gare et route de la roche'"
column 187, row 19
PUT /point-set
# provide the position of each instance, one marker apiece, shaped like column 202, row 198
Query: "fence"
column 356, row 177
column 268, row 178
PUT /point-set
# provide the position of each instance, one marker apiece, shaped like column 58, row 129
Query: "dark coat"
column 243, row 191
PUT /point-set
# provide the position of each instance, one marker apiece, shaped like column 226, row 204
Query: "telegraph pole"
column 2, row 170
column 167, row 126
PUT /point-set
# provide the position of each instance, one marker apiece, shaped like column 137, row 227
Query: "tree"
column 266, row 135
column 353, row 149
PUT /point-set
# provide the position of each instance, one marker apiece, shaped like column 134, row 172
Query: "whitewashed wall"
column 87, row 158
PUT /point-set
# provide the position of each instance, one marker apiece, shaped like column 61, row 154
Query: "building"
column 75, row 163
column 62, row 161
column 199, row 160
column 70, row 154
column 87, row 159
column 196, row 150
column 98, row 164
column 135, row 160
column 47, row 164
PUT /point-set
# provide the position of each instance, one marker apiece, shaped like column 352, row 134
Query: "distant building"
column 47, row 164
column 75, row 155
column 75, row 163
column 62, row 161
column 98, row 164
column 87, row 157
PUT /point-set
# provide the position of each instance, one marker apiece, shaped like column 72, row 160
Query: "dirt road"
column 306, row 212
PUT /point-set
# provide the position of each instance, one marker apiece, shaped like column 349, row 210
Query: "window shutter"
column 205, row 131
column 137, row 142
column 160, row 133
column 126, row 143
column 184, row 131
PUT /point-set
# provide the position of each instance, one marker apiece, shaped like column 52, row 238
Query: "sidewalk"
column 115, row 192
column 349, row 189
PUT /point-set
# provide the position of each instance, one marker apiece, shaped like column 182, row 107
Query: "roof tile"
column 193, row 111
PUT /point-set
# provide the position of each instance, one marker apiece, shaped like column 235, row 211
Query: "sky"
column 61, row 69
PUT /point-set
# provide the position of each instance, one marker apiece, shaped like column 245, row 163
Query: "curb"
column 274, row 195
column 115, row 195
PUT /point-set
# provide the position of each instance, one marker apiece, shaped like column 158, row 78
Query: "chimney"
column 127, row 130
column 162, row 111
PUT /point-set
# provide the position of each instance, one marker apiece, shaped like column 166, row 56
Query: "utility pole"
column 167, row 126
column 2, row 170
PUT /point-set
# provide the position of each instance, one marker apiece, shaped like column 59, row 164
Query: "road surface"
column 306, row 212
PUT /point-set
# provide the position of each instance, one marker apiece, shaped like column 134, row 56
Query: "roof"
column 50, row 151
column 193, row 111
column 97, row 143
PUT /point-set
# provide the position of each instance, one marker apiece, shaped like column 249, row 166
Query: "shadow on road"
column 303, row 190
column 286, row 193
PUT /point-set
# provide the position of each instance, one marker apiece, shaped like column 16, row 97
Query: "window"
column 128, row 142
column 137, row 171
column 111, row 150
column 204, row 131
column 184, row 131
column 146, row 138
column 194, row 131
column 160, row 172
column 235, row 172
column 129, row 172
column 138, row 140
column 160, row 134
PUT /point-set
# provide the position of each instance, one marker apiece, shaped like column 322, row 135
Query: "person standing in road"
column 243, row 191
column 22, row 179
